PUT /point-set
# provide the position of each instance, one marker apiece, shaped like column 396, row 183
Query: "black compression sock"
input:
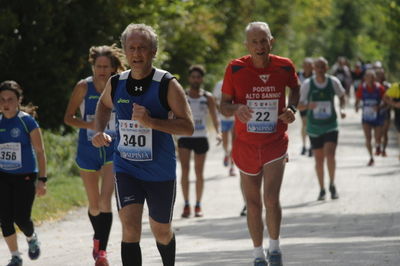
column 167, row 252
column 131, row 254
column 94, row 220
column 105, row 222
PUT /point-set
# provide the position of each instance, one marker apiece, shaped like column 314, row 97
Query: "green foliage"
column 60, row 152
column 44, row 47
column 393, row 23
column 63, row 194
column 44, row 44
column 65, row 189
column 344, row 26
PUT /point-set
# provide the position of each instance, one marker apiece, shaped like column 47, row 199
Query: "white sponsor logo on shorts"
column 129, row 198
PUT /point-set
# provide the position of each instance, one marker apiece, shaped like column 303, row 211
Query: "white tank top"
column 199, row 107
column 218, row 95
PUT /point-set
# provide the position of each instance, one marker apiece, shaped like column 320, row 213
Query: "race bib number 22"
column 264, row 117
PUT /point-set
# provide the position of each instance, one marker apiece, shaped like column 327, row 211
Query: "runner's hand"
column 219, row 138
column 243, row 113
column 41, row 188
column 101, row 139
column 141, row 114
column 287, row 116
column 342, row 114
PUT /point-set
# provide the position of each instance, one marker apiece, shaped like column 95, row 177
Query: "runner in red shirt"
column 254, row 91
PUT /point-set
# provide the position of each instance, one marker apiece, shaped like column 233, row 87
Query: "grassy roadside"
column 64, row 189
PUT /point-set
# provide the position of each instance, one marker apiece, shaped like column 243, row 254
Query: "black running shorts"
column 318, row 142
column 160, row 196
column 198, row 145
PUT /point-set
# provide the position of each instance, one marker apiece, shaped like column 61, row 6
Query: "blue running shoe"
column 274, row 258
column 15, row 261
column 260, row 262
column 34, row 247
column 226, row 160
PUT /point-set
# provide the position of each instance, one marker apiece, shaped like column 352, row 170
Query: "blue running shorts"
column 226, row 125
column 91, row 159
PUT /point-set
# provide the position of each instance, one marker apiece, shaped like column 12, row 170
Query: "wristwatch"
column 293, row 108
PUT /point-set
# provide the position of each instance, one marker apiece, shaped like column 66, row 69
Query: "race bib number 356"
column 264, row 117
column 135, row 142
column 10, row 156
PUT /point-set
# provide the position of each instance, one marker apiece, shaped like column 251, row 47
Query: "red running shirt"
column 263, row 90
column 378, row 86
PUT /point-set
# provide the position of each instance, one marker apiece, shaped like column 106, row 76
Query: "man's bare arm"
column 103, row 108
column 228, row 108
column 294, row 96
column 102, row 116
column 182, row 124
column 212, row 106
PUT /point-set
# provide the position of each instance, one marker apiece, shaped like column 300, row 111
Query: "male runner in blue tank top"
column 144, row 158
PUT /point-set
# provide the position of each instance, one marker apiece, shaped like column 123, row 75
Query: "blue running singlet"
column 371, row 101
column 90, row 158
column 16, row 152
column 144, row 153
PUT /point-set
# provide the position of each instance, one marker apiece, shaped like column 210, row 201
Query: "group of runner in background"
column 366, row 87
column 133, row 129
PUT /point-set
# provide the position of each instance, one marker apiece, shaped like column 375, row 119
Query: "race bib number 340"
column 135, row 142
column 264, row 117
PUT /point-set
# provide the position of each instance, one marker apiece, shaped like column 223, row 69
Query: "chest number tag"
column 135, row 142
column 370, row 110
column 199, row 123
column 10, row 156
column 264, row 117
column 322, row 110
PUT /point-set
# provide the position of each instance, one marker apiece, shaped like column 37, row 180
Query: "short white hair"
column 142, row 28
column 308, row 60
column 258, row 24
column 321, row 59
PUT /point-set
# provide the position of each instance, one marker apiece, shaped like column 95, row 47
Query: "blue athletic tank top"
column 88, row 110
column 370, row 101
column 16, row 152
column 146, row 154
